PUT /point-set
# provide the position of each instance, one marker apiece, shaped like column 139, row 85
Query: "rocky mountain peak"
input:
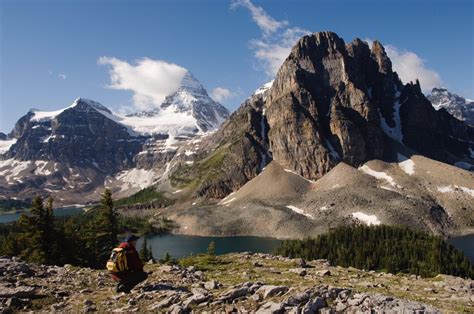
column 331, row 103
column 458, row 106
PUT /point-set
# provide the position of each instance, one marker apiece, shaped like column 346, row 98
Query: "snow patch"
column 40, row 168
column 379, row 175
column 177, row 191
column 11, row 169
column 395, row 132
column 227, row 202
column 406, row 164
column 136, row 178
column 299, row 211
column 292, row 172
column 5, row 145
column 332, row 152
column 367, row 219
column 454, row 188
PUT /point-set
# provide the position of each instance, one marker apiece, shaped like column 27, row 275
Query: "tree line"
column 389, row 248
column 81, row 240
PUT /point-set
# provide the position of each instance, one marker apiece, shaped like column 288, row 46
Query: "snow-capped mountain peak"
column 458, row 106
column 188, row 110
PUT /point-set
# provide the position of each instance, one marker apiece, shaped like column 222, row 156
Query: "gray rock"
column 211, row 285
column 271, row 308
column 233, row 294
column 267, row 291
column 19, row 292
column 313, row 305
column 299, row 298
column 325, row 272
column 300, row 271
column 164, row 303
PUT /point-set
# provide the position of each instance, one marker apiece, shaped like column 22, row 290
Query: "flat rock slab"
column 18, row 292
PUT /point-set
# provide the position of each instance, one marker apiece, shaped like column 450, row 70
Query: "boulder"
column 268, row 291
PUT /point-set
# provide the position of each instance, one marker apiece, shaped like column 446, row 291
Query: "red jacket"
column 133, row 260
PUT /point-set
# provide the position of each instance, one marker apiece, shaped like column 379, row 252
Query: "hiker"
column 125, row 265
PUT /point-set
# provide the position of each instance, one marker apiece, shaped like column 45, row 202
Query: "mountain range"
column 458, row 106
column 335, row 138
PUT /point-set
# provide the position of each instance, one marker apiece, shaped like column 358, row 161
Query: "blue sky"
column 50, row 50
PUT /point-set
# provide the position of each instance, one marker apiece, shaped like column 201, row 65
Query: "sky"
column 129, row 54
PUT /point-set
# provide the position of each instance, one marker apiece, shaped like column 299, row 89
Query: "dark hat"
column 131, row 238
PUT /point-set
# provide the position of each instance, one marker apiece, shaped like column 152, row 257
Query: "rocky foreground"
column 231, row 283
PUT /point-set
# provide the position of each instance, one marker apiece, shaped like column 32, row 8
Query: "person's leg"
column 135, row 278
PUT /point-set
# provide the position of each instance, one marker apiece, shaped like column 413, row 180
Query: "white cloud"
column 276, row 41
column 149, row 80
column 410, row 67
column 220, row 94
column 62, row 76
column 267, row 24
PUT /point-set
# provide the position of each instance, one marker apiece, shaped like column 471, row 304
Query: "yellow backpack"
column 118, row 261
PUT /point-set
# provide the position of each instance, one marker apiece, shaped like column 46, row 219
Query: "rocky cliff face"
column 236, row 153
column 459, row 107
column 333, row 102
column 80, row 135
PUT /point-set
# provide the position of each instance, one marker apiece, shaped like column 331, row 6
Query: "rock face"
column 80, row 135
column 459, row 107
column 333, row 102
column 237, row 152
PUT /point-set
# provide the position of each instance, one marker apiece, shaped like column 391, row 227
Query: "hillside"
column 234, row 282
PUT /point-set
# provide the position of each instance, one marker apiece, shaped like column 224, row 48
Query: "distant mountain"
column 189, row 110
column 459, row 107
column 87, row 143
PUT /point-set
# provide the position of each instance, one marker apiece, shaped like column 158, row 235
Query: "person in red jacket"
column 134, row 274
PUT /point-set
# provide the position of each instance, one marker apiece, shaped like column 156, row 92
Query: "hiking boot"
column 121, row 288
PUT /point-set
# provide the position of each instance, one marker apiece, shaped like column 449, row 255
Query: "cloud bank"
column 149, row 80
column 276, row 40
column 410, row 67
column 221, row 94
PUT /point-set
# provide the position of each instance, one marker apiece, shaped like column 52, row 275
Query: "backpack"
column 118, row 261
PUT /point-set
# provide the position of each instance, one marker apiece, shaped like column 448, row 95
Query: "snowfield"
column 379, row 175
column 299, row 211
column 136, row 178
column 367, row 219
column 5, row 145
column 454, row 188
column 406, row 164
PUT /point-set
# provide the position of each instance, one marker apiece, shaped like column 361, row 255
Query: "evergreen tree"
column 150, row 254
column 388, row 248
column 101, row 231
column 211, row 249
column 144, row 252
column 36, row 235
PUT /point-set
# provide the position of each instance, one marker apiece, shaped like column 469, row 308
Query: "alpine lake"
column 184, row 245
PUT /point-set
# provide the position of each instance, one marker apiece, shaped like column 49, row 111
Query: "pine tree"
column 144, row 253
column 150, row 254
column 211, row 250
column 37, row 234
column 105, row 229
